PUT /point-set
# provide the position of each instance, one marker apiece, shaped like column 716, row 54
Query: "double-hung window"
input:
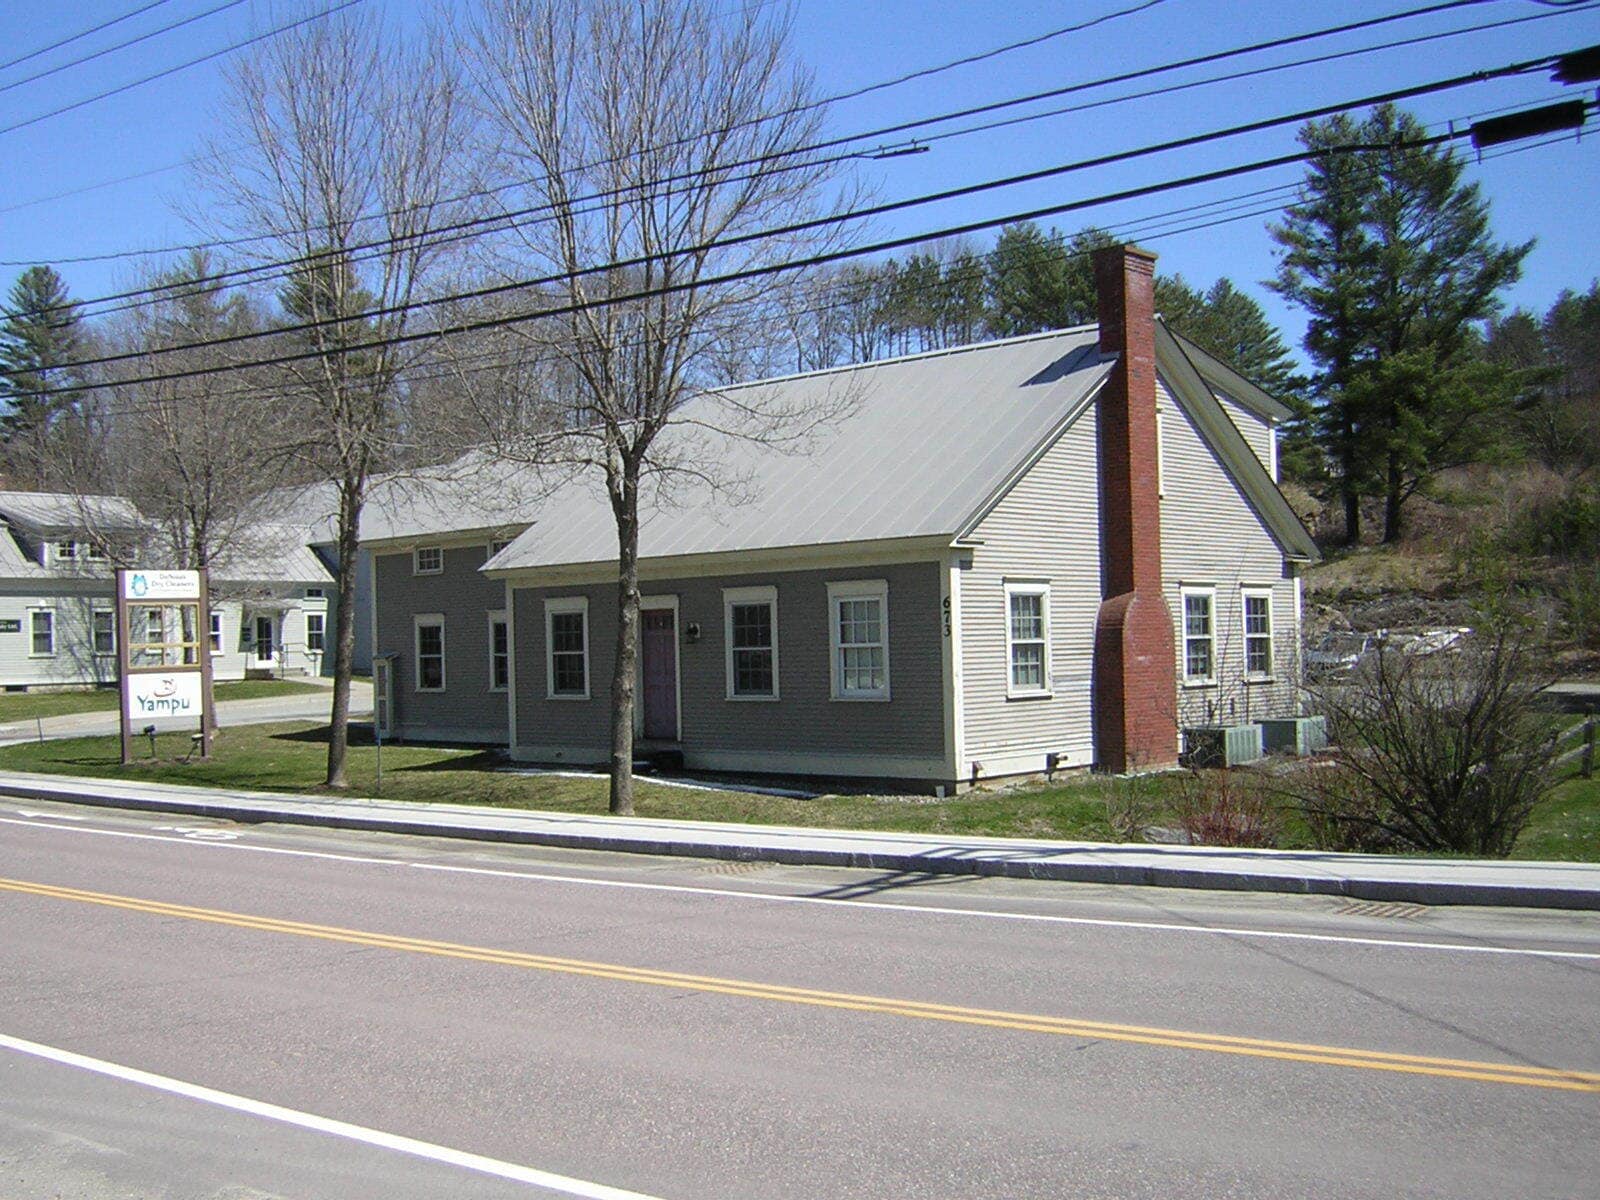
column 105, row 631
column 1199, row 635
column 566, row 639
column 316, row 632
column 427, row 560
column 750, row 619
column 1257, row 607
column 858, row 618
column 216, row 632
column 41, row 632
column 1027, row 639
column 499, row 652
column 430, row 653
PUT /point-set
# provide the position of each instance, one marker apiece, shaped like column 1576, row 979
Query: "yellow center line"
column 1339, row 1056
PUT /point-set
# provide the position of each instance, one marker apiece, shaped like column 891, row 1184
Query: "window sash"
column 1028, row 641
column 860, row 633
column 1258, row 634
column 1199, row 637
column 499, row 654
column 568, row 633
column 42, row 632
column 316, row 632
column 105, row 631
column 427, row 560
column 430, row 656
column 751, row 626
column 216, row 633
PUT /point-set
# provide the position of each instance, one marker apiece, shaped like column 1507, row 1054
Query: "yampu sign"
column 168, row 695
column 163, row 653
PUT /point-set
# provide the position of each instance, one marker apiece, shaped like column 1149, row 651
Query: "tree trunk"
column 344, row 638
column 1347, row 479
column 627, row 654
column 1392, row 499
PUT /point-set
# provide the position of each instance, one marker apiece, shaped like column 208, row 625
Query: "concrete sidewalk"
column 1367, row 877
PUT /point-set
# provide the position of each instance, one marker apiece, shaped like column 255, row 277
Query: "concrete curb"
column 1348, row 876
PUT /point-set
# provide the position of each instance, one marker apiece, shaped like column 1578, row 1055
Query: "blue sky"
column 1547, row 193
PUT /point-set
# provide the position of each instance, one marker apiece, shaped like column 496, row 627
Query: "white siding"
column 1258, row 433
column 74, row 660
column 238, row 654
column 1046, row 528
column 1210, row 536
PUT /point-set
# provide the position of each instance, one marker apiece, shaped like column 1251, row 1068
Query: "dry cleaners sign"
column 161, row 585
column 175, row 695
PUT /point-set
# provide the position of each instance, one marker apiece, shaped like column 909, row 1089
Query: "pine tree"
column 40, row 340
column 1391, row 254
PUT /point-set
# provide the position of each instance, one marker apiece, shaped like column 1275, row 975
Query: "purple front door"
column 659, row 652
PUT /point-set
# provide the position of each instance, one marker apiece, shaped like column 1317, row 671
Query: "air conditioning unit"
column 1295, row 735
column 1221, row 745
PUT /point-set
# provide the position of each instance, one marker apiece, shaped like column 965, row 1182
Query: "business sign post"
column 163, row 650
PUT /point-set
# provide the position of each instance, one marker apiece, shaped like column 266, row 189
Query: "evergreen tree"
column 1391, row 254
column 40, row 340
column 1039, row 280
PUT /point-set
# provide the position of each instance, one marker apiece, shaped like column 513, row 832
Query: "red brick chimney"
column 1135, row 664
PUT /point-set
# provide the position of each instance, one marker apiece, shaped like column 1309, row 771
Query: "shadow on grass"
column 481, row 760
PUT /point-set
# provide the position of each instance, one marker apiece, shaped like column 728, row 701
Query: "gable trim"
column 1218, row 374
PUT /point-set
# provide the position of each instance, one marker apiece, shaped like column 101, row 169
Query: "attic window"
column 67, row 550
column 427, row 560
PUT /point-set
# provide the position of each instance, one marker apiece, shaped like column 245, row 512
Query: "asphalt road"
column 193, row 1009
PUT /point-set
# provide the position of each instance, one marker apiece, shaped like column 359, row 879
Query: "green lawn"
column 21, row 706
column 291, row 758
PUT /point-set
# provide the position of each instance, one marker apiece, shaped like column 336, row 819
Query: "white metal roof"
column 62, row 513
column 923, row 444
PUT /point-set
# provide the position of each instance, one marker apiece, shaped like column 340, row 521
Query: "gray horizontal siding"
column 466, row 710
column 803, row 721
column 1211, row 536
column 1046, row 528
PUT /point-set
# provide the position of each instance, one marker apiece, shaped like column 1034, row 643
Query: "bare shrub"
column 1441, row 753
column 1228, row 808
column 1132, row 803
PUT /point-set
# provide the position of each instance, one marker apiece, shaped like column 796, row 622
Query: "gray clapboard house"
column 1047, row 552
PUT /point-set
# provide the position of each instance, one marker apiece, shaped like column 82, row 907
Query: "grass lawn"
column 20, row 706
column 291, row 758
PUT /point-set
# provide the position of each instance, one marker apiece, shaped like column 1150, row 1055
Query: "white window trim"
column 98, row 612
column 1039, row 588
column 856, row 589
column 323, row 617
column 565, row 604
column 64, row 549
column 42, row 608
column 748, row 595
column 219, row 630
column 417, row 624
column 1161, row 453
column 497, row 616
column 316, row 593
column 1195, row 681
column 416, row 561
column 1246, row 593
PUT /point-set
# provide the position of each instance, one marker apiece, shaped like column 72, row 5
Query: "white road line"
column 834, row 902
column 562, row 1184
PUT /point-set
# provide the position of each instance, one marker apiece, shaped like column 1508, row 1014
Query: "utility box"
column 1295, row 735
column 1221, row 745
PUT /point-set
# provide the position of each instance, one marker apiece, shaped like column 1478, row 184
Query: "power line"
column 183, row 66
column 873, row 210
column 496, row 359
column 67, row 41
column 134, row 41
column 1163, row 68
column 514, row 219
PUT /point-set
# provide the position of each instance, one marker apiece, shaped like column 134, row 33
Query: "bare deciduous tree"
column 648, row 133
column 351, row 137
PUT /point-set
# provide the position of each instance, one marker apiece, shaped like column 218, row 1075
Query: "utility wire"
column 67, row 41
column 566, row 278
column 1163, row 68
column 497, row 359
column 183, row 66
column 134, row 41
column 515, row 219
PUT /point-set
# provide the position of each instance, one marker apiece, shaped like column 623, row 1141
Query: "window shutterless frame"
column 1197, row 612
column 566, row 648
column 427, row 560
column 750, row 642
column 430, row 660
column 104, row 632
column 499, row 651
column 858, row 639
column 1027, row 617
column 41, row 633
column 1255, row 609
column 215, row 633
column 316, row 632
